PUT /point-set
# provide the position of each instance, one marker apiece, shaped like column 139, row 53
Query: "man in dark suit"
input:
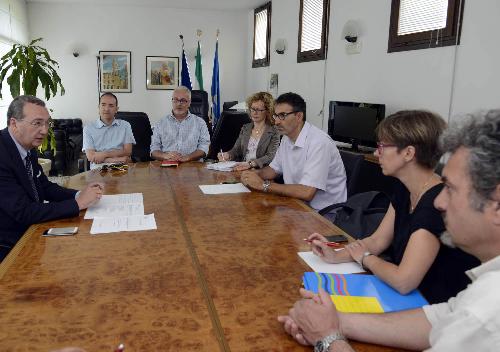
column 23, row 185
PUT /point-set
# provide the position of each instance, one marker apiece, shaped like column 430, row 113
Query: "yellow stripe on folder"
column 357, row 304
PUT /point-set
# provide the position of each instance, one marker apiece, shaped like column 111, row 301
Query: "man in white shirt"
column 307, row 158
column 470, row 203
column 180, row 136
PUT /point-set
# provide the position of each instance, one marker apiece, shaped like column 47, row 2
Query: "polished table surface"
column 213, row 277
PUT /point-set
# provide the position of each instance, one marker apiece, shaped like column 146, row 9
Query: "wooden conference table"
column 213, row 277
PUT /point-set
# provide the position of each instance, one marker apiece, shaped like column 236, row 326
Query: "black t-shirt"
column 446, row 277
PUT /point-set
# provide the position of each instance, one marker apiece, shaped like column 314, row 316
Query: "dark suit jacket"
column 18, row 207
column 267, row 147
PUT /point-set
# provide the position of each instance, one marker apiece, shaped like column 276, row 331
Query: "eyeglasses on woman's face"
column 381, row 146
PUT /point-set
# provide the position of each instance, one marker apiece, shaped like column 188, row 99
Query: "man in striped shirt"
column 180, row 136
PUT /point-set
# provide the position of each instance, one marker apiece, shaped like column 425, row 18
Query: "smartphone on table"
column 61, row 231
column 337, row 238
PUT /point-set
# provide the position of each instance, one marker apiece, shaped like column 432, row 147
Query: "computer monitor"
column 355, row 123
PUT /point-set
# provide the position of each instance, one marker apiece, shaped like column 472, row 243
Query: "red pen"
column 329, row 244
column 120, row 348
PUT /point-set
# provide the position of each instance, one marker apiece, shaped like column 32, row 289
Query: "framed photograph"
column 162, row 72
column 115, row 71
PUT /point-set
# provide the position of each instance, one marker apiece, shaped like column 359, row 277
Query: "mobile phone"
column 61, row 231
column 337, row 238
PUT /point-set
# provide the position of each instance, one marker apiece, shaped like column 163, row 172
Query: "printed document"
column 117, row 205
column 123, row 223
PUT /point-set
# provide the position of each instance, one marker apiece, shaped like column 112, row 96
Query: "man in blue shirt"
column 180, row 136
column 108, row 140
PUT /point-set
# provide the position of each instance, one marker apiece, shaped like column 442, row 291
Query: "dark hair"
column 418, row 128
column 298, row 104
column 480, row 134
column 16, row 107
column 109, row 94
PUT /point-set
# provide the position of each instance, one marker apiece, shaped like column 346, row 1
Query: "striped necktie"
column 29, row 170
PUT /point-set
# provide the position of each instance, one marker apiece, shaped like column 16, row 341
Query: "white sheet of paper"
column 123, row 223
column 126, row 204
column 222, row 166
column 319, row 266
column 224, row 188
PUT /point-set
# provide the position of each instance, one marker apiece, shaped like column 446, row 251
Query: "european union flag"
column 185, row 76
column 215, row 88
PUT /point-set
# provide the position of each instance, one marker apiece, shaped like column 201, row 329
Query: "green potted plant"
column 31, row 66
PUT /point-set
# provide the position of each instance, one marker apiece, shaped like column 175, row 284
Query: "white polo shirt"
column 471, row 320
column 313, row 160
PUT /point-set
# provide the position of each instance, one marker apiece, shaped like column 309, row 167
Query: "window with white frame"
column 6, row 97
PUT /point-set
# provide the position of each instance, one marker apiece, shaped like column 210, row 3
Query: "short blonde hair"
column 418, row 128
column 268, row 101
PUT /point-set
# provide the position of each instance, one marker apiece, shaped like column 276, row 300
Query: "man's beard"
column 446, row 239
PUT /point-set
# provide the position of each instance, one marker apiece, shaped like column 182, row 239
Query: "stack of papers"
column 224, row 188
column 320, row 266
column 120, row 212
column 222, row 166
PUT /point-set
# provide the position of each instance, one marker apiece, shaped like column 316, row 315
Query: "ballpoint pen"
column 329, row 244
column 222, row 155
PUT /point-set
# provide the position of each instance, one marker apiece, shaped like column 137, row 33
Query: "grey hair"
column 183, row 89
column 480, row 134
column 16, row 107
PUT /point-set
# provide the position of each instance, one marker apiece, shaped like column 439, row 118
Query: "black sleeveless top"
column 446, row 277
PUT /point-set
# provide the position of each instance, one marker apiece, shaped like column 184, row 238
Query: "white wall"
column 412, row 79
column 13, row 29
column 145, row 31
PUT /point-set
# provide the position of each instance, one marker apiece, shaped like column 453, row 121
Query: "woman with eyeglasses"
column 410, row 230
column 259, row 139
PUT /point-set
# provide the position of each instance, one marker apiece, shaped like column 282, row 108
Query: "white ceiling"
column 181, row 4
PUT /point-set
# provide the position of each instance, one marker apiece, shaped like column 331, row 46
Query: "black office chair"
column 141, row 128
column 228, row 105
column 199, row 106
column 227, row 131
column 352, row 164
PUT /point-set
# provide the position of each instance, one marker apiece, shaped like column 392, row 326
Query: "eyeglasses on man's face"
column 180, row 101
column 255, row 110
column 381, row 146
column 39, row 123
column 282, row 115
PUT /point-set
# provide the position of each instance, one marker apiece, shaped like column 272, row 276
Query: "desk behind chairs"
column 141, row 128
column 227, row 131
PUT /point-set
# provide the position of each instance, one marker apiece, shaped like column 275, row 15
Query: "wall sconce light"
column 280, row 46
column 351, row 33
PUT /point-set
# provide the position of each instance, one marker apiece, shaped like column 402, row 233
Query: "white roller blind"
column 312, row 18
column 7, row 98
column 260, row 35
column 421, row 15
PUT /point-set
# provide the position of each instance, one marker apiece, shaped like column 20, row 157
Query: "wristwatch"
column 323, row 344
column 365, row 254
column 265, row 186
column 251, row 163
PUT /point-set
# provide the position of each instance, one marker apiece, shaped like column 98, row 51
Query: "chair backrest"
column 352, row 164
column 141, row 128
column 228, row 105
column 227, row 131
column 199, row 105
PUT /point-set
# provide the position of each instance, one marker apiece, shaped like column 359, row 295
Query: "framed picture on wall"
column 115, row 71
column 162, row 72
